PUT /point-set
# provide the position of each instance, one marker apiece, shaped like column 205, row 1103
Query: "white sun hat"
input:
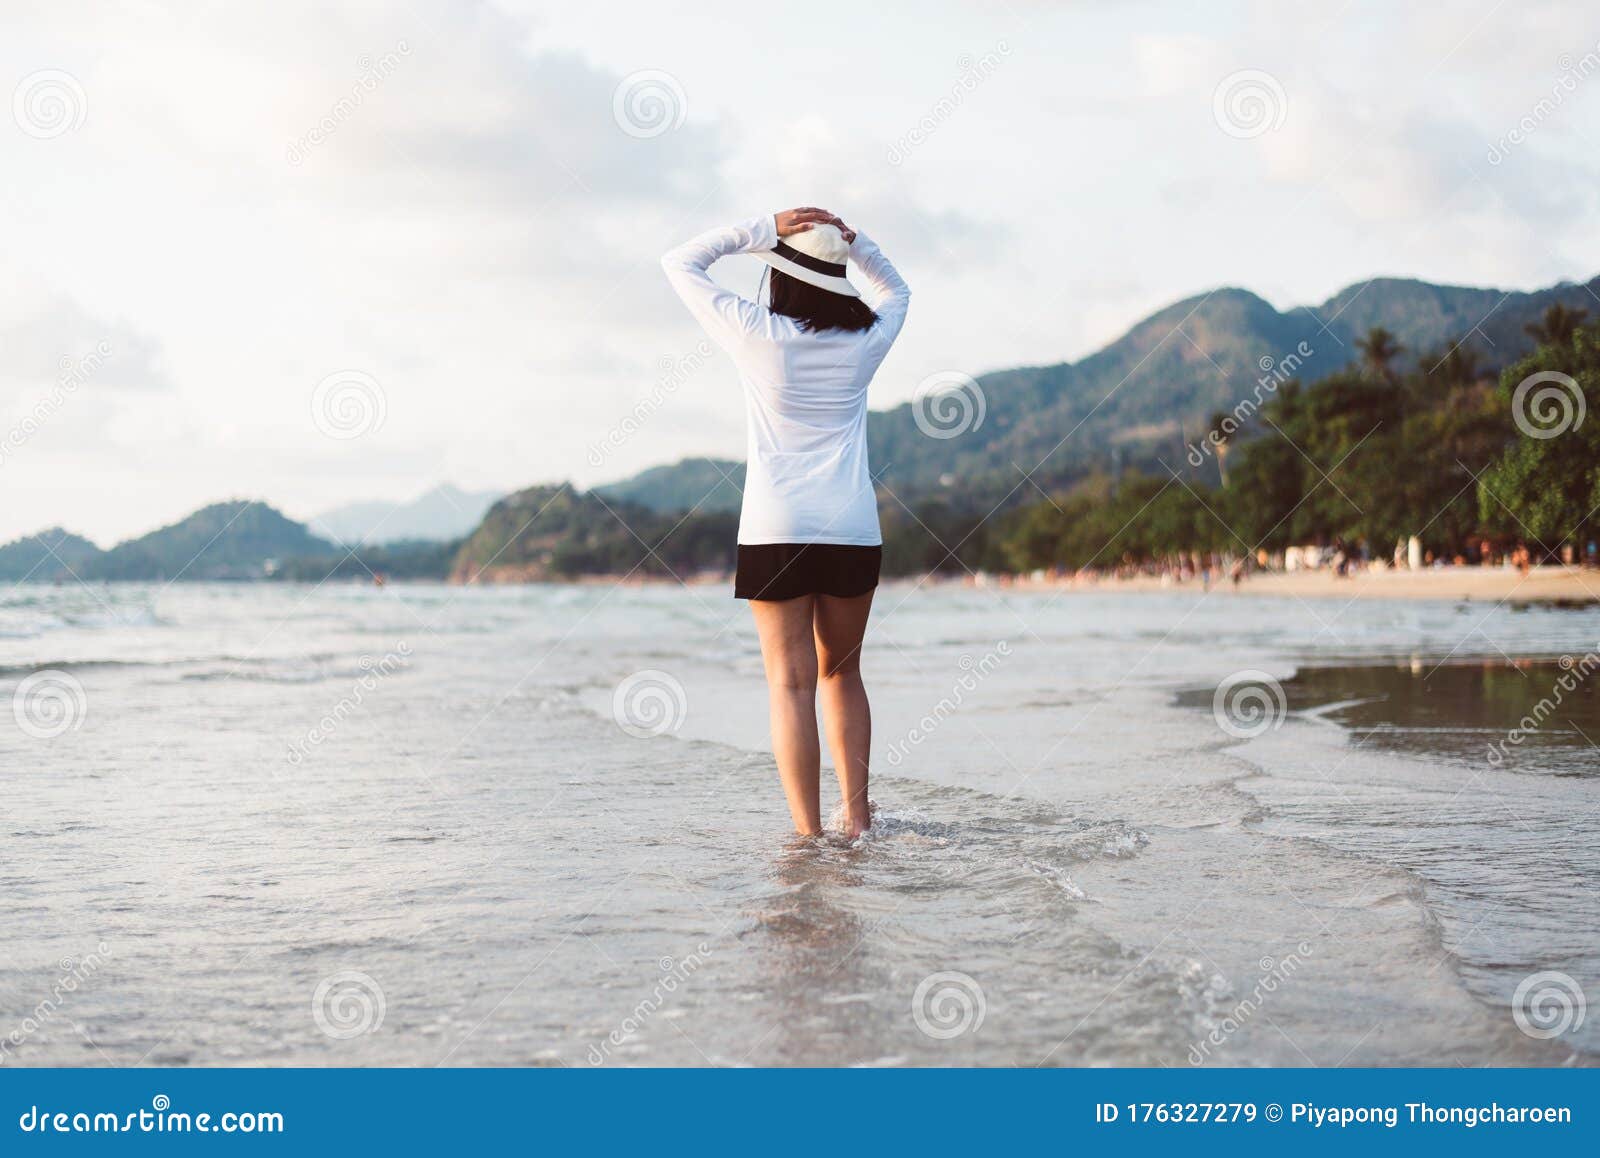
column 815, row 256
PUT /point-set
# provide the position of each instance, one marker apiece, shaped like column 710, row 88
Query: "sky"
column 320, row 252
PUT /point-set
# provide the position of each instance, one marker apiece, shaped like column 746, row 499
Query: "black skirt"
column 778, row 571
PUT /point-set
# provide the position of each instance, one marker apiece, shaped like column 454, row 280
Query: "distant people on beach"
column 1341, row 559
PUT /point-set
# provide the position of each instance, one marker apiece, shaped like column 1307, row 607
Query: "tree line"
column 1364, row 458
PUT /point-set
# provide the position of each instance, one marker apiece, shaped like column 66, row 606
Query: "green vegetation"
column 703, row 485
column 53, row 556
column 1138, row 401
column 1107, row 463
column 232, row 540
column 1548, row 489
column 1366, row 457
column 410, row 559
column 546, row 533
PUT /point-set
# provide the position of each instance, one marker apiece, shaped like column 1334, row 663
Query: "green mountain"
column 558, row 532
column 709, row 484
column 1142, row 399
column 231, row 540
column 51, row 556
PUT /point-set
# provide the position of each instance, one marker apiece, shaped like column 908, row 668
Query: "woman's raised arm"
column 887, row 292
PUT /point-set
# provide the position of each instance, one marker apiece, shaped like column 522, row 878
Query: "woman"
column 809, row 543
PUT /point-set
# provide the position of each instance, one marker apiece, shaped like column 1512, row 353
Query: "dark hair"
column 814, row 308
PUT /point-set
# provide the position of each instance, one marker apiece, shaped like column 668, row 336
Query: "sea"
column 418, row 825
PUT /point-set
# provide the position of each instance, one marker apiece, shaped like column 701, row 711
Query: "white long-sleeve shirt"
column 806, row 476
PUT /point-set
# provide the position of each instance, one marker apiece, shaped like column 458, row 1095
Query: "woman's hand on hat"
column 791, row 221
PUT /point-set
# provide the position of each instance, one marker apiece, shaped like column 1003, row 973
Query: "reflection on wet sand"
column 1526, row 715
column 817, row 963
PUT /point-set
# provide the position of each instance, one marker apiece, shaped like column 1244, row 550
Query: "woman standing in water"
column 809, row 543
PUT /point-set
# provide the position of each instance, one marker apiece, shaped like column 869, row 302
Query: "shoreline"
column 1548, row 586
column 1555, row 586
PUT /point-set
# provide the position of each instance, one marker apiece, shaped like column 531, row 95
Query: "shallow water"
column 429, row 825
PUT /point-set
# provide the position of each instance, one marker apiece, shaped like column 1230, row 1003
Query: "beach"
column 1549, row 584
column 432, row 825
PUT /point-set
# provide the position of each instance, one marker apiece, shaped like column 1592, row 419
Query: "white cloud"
column 473, row 228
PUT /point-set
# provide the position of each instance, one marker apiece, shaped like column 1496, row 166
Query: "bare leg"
column 840, row 625
column 791, row 662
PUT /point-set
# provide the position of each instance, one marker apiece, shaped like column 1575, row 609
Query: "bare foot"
column 852, row 822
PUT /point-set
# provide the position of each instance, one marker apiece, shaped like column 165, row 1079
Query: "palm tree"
column 1378, row 349
column 1461, row 366
column 1221, row 426
column 1557, row 327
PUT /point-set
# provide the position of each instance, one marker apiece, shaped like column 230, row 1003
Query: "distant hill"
column 231, row 540
column 441, row 515
column 559, row 532
column 1137, row 400
column 50, row 556
column 715, row 484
